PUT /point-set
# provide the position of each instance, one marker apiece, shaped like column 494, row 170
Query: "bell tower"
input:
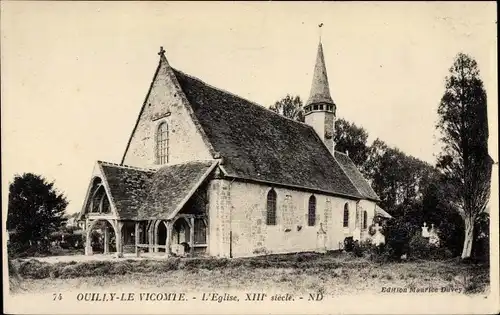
column 320, row 109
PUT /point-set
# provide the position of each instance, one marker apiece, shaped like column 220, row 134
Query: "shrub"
column 419, row 247
column 349, row 244
column 34, row 269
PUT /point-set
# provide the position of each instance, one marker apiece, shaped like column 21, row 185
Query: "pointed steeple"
column 320, row 110
column 320, row 90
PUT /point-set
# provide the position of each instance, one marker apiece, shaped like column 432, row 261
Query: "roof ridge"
column 240, row 97
column 190, row 162
column 127, row 166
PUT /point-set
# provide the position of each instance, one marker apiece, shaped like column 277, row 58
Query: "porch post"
column 150, row 236
column 137, row 253
column 168, row 241
column 155, row 236
column 106, row 239
column 88, row 238
column 191, row 236
column 119, row 241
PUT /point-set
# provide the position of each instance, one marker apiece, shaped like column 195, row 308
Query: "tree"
column 464, row 160
column 35, row 208
column 400, row 180
column 352, row 139
column 290, row 107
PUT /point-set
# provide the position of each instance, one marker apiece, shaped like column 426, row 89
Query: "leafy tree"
column 437, row 209
column 400, row 180
column 290, row 107
column 352, row 139
column 35, row 208
column 465, row 162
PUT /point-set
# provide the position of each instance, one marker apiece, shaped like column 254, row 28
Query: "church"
column 208, row 173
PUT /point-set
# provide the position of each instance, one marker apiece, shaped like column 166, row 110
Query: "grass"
column 333, row 273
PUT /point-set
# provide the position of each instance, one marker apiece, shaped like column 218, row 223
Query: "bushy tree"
column 352, row 139
column 399, row 179
column 35, row 209
column 290, row 107
column 463, row 124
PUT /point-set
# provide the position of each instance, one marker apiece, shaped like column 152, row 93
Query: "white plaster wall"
column 251, row 236
column 317, row 121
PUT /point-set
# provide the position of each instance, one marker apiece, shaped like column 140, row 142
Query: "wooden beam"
column 191, row 237
column 118, row 239
column 137, row 252
column 169, row 226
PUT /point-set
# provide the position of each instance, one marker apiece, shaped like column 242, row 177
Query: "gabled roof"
column 356, row 177
column 382, row 213
column 143, row 194
column 172, row 186
column 128, row 187
column 258, row 144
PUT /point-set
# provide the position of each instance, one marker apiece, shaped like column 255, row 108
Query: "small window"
column 315, row 107
column 346, row 215
column 320, row 107
column 271, row 208
column 311, row 217
column 365, row 220
column 162, row 143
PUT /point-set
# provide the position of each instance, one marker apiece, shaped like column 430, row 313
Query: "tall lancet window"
column 271, row 208
column 311, row 217
column 346, row 215
column 162, row 143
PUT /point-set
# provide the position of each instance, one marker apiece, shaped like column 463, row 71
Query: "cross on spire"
column 320, row 25
column 161, row 52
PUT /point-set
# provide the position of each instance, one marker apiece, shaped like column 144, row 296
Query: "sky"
column 75, row 74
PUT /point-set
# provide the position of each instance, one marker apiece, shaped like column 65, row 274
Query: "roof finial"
column 162, row 51
column 320, row 26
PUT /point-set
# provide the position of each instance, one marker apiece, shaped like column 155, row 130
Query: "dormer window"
column 162, row 143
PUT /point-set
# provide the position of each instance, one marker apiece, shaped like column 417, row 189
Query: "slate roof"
column 128, row 187
column 320, row 89
column 143, row 194
column 356, row 177
column 382, row 213
column 171, row 187
column 258, row 144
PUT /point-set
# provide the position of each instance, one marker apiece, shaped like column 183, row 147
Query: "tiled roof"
column 128, row 187
column 258, row 144
column 382, row 213
column 171, row 187
column 320, row 89
column 356, row 177
column 143, row 194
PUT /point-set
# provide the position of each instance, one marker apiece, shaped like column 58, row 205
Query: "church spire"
column 320, row 90
column 320, row 110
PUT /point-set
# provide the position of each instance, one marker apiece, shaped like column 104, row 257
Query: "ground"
column 331, row 274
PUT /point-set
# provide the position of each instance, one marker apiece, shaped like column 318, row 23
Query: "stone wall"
column 237, row 213
column 166, row 104
column 218, row 218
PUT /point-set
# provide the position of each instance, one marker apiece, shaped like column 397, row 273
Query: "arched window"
column 162, row 143
column 365, row 219
column 311, row 217
column 346, row 215
column 271, row 208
